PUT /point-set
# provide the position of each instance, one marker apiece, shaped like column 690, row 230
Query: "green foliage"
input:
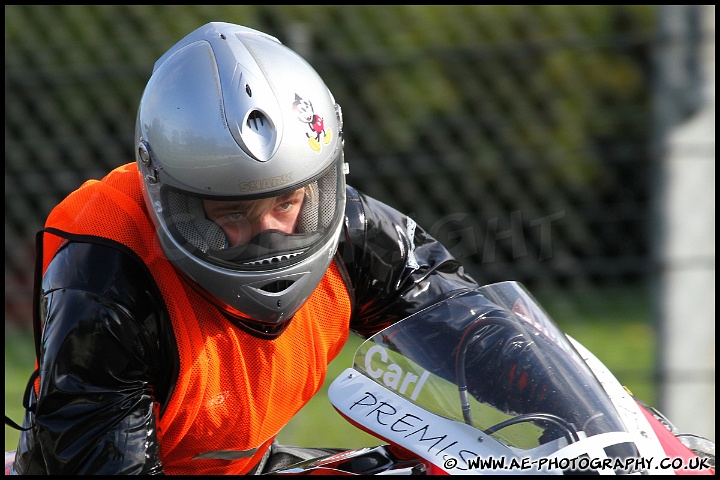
column 19, row 365
column 552, row 78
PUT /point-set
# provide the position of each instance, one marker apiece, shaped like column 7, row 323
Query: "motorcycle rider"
column 192, row 300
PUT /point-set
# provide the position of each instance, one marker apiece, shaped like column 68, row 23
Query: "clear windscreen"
column 509, row 372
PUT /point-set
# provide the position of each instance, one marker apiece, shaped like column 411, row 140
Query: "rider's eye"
column 236, row 216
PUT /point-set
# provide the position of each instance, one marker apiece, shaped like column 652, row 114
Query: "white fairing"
column 637, row 425
column 402, row 390
column 443, row 442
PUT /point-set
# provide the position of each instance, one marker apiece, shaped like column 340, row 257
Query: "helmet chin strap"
column 268, row 247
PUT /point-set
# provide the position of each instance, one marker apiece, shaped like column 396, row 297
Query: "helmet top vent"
column 259, row 135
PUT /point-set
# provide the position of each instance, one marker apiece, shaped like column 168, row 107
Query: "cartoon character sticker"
column 318, row 135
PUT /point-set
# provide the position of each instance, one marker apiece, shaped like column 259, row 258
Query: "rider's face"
column 241, row 220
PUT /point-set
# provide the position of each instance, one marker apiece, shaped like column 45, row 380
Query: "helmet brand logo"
column 266, row 183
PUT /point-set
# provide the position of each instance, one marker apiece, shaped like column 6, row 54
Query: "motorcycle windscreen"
column 497, row 362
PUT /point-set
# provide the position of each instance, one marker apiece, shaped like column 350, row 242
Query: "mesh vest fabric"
column 235, row 391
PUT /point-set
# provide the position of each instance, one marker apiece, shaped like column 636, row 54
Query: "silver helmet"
column 231, row 114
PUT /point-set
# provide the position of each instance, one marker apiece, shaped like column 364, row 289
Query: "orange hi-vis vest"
column 235, row 391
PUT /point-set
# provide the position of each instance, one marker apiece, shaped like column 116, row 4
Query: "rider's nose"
column 266, row 222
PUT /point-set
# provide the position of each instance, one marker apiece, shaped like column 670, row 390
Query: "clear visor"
column 255, row 233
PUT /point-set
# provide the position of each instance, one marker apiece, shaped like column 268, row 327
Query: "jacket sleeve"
column 395, row 268
column 105, row 366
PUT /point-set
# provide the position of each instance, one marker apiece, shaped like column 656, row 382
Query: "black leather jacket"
column 101, row 311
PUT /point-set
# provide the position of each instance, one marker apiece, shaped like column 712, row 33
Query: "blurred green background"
column 519, row 136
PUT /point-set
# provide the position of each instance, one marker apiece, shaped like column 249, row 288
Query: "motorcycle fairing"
column 479, row 394
column 395, row 419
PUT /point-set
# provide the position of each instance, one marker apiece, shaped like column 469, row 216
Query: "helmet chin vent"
column 273, row 260
column 277, row 286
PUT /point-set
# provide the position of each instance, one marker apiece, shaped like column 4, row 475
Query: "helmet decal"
column 318, row 135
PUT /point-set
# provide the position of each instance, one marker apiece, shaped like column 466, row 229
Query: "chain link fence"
column 520, row 136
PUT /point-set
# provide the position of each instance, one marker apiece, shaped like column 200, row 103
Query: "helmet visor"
column 260, row 232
